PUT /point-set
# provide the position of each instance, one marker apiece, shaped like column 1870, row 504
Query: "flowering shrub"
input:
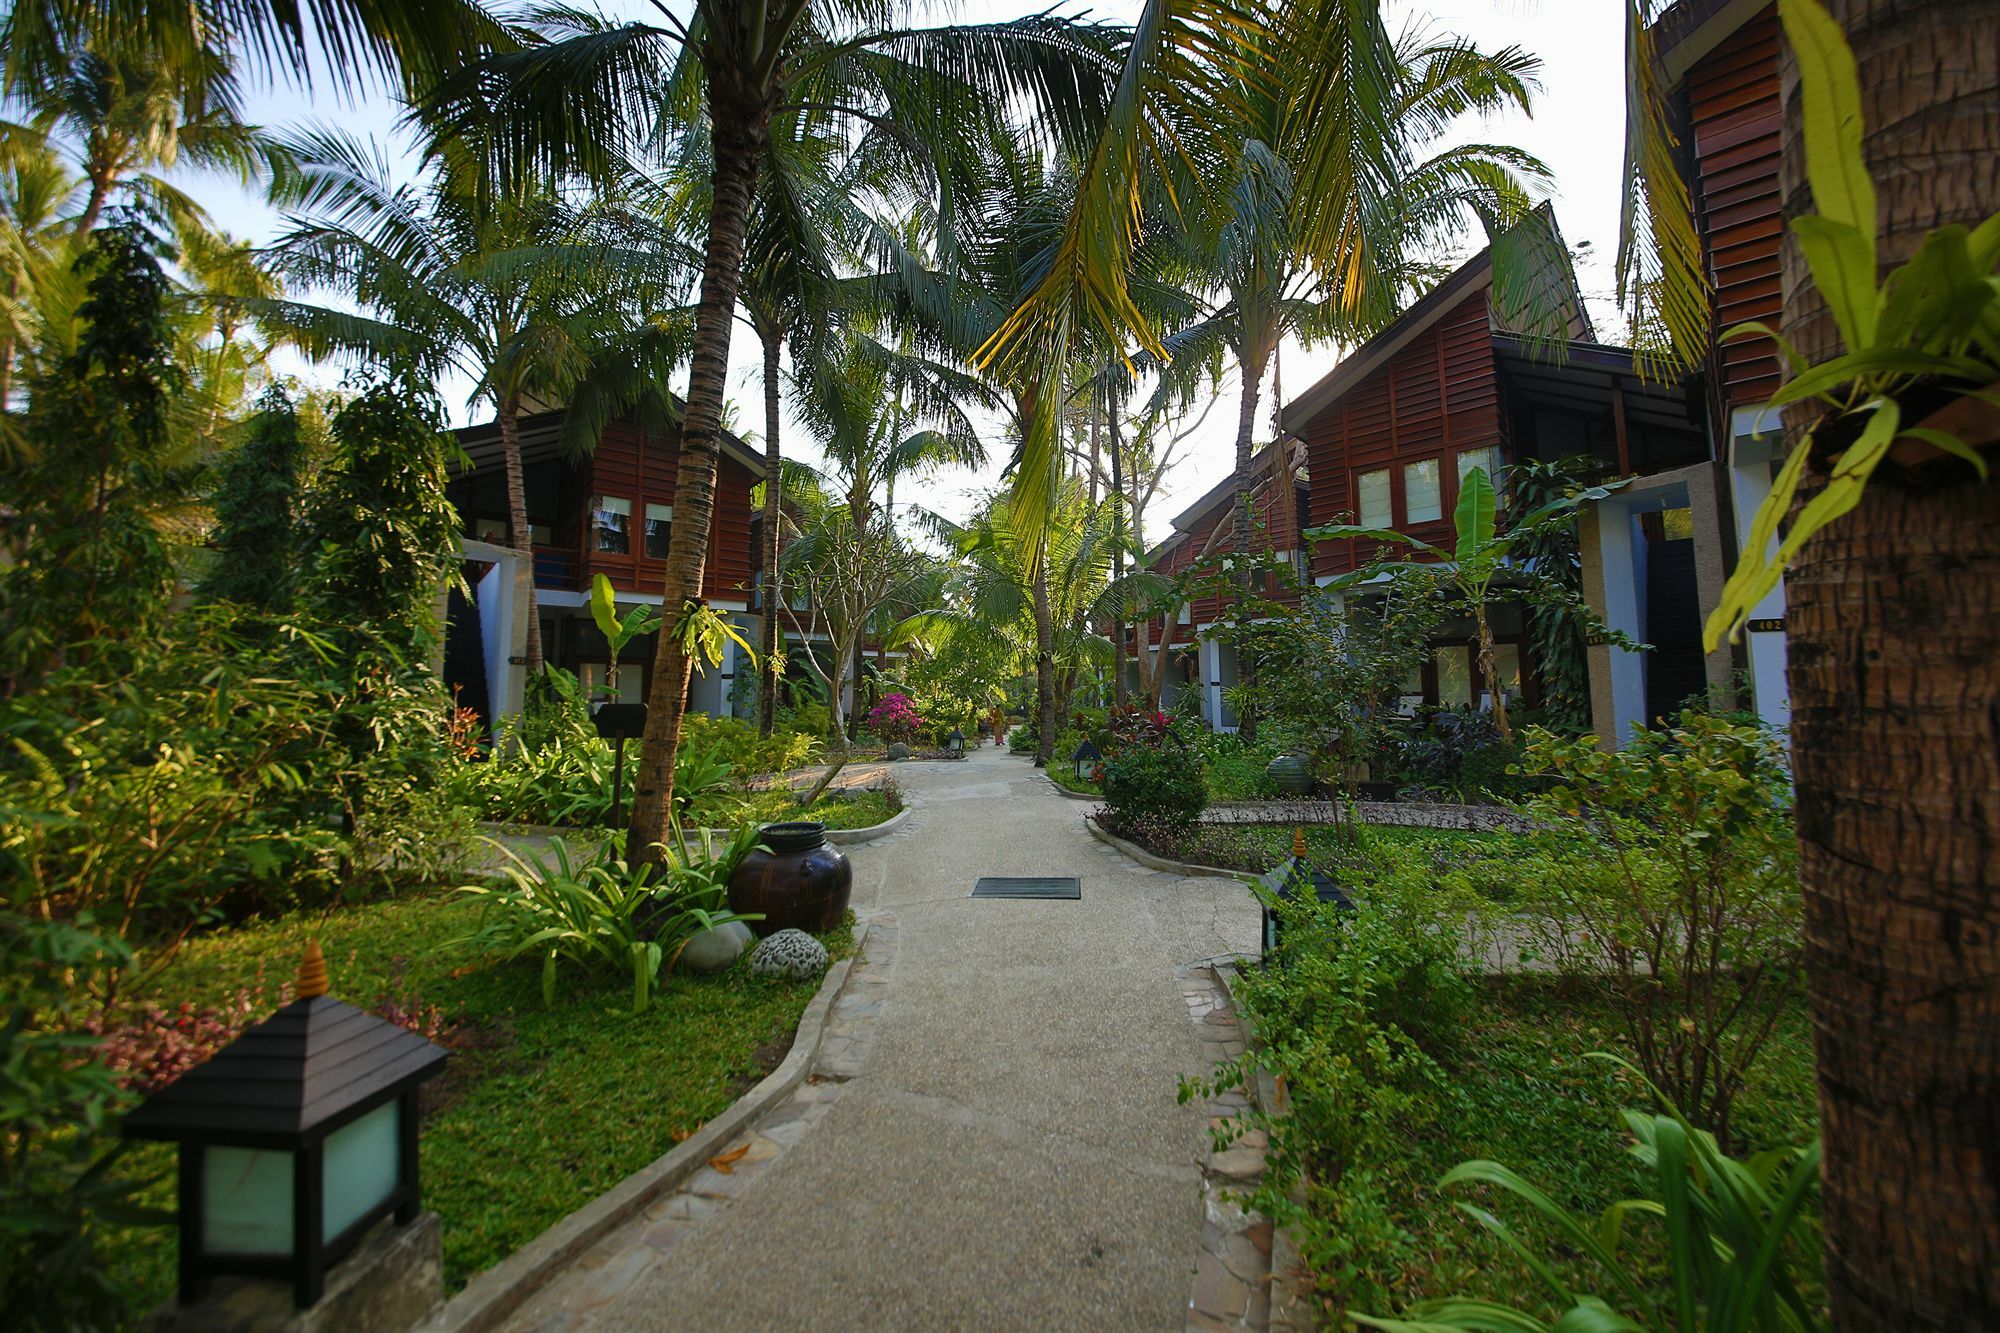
column 895, row 718
column 154, row 1046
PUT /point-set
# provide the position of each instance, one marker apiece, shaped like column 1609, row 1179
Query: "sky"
column 1576, row 129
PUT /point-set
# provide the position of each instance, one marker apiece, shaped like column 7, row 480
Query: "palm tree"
column 854, row 400
column 1248, row 248
column 567, row 106
column 353, row 40
column 1893, row 621
column 512, row 289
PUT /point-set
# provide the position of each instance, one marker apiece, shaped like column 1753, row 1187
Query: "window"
column 1454, row 673
column 1487, row 458
column 659, row 530
column 593, row 677
column 1422, row 501
column 1507, row 667
column 1371, row 499
column 611, row 520
column 1186, row 616
column 494, row 530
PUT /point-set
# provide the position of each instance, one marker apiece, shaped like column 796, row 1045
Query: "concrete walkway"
column 1005, row 1149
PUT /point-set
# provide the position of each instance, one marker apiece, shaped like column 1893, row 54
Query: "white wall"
column 1751, row 458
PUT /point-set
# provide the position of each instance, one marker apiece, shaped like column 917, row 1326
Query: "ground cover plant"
column 1400, row 1065
column 544, row 1106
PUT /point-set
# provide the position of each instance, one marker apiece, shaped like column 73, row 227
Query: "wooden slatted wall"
column 642, row 467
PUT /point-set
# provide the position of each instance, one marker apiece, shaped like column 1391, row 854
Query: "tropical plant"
column 1672, row 874
column 1267, row 285
column 384, row 539
column 895, row 718
column 1557, row 638
column 60, row 1182
column 1737, row 1239
column 606, row 916
column 618, row 632
column 1477, row 569
column 257, row 511
column 100, row 467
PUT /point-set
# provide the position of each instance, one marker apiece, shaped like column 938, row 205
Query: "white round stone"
column 715, row 949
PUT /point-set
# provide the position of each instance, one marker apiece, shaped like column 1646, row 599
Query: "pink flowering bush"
column 895, row 718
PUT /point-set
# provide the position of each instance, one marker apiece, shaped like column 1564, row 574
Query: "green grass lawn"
column 837, row 810
column 542, row 1108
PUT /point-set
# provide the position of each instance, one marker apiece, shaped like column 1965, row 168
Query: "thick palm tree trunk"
column 1118, row 687
column 518, row 526
column 1045, row 664
column 740, row 118
column 1894, row 618
column 767, row 697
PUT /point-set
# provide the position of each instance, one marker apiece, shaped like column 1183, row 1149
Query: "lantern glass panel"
column 361, row 1167
column 246, row 1200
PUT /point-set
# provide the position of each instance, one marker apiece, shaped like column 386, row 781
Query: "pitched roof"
column 1689, row 29
column 1538, row 267
column 541, row 433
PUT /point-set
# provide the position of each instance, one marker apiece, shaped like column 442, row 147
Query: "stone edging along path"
column 492, row 1296
column 845, row 837
column 1152, row 862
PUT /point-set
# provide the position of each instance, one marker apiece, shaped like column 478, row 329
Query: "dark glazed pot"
column 800, row 882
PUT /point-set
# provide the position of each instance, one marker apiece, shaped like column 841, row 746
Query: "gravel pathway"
column 994, row 1141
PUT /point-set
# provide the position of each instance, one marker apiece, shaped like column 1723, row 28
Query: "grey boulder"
column 898, row 750
column 713, row 950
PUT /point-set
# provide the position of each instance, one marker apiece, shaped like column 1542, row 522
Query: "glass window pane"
column 1371, row 499
column 361, row 1161
column 246, row 1200
column 1454, row 672
column 490, row 530
column 1507, row 666
column 611, row 519
column 659, row 530
column 1422, row 501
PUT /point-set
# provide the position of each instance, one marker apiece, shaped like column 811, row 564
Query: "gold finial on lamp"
column 1299, row 841
column 312, row 973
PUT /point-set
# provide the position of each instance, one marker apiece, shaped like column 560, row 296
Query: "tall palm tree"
column 590, row 100
column 511, row 288
column 1893, row 622
column 1268, row 287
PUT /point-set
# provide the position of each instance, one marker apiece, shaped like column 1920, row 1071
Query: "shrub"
column 1236, row 768
column 1670, row 870
column 895, row 718
column 1458, row 755
column 58, row 1188
column 1160, row 784
column 1345, row 1025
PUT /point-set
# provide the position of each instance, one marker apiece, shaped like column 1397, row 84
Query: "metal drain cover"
column 1045, row 886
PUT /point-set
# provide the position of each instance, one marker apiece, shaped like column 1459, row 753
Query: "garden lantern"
column 295, row 1139
column 1284, row 881
column 955, row 742
column 1087, row 755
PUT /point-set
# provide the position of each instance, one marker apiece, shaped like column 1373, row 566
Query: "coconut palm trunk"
column 767, row 697
column 740, row 116
column 1894, row 620
column 518, row 527
column 1045, row 664
column 1118, row 688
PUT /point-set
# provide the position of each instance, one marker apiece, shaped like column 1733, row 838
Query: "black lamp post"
column 619, row 723
column 1284, row 882
column 955, row 742
column 295, row 1139
column 1086, row 755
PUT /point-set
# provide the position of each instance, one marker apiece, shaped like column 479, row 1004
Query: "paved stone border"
column 494, row 1295
column 1403, row 814
column 1152, row 862
column 1290, row 1308
column 1233, row 1263
column 1072, row 795
column 624, row 1255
